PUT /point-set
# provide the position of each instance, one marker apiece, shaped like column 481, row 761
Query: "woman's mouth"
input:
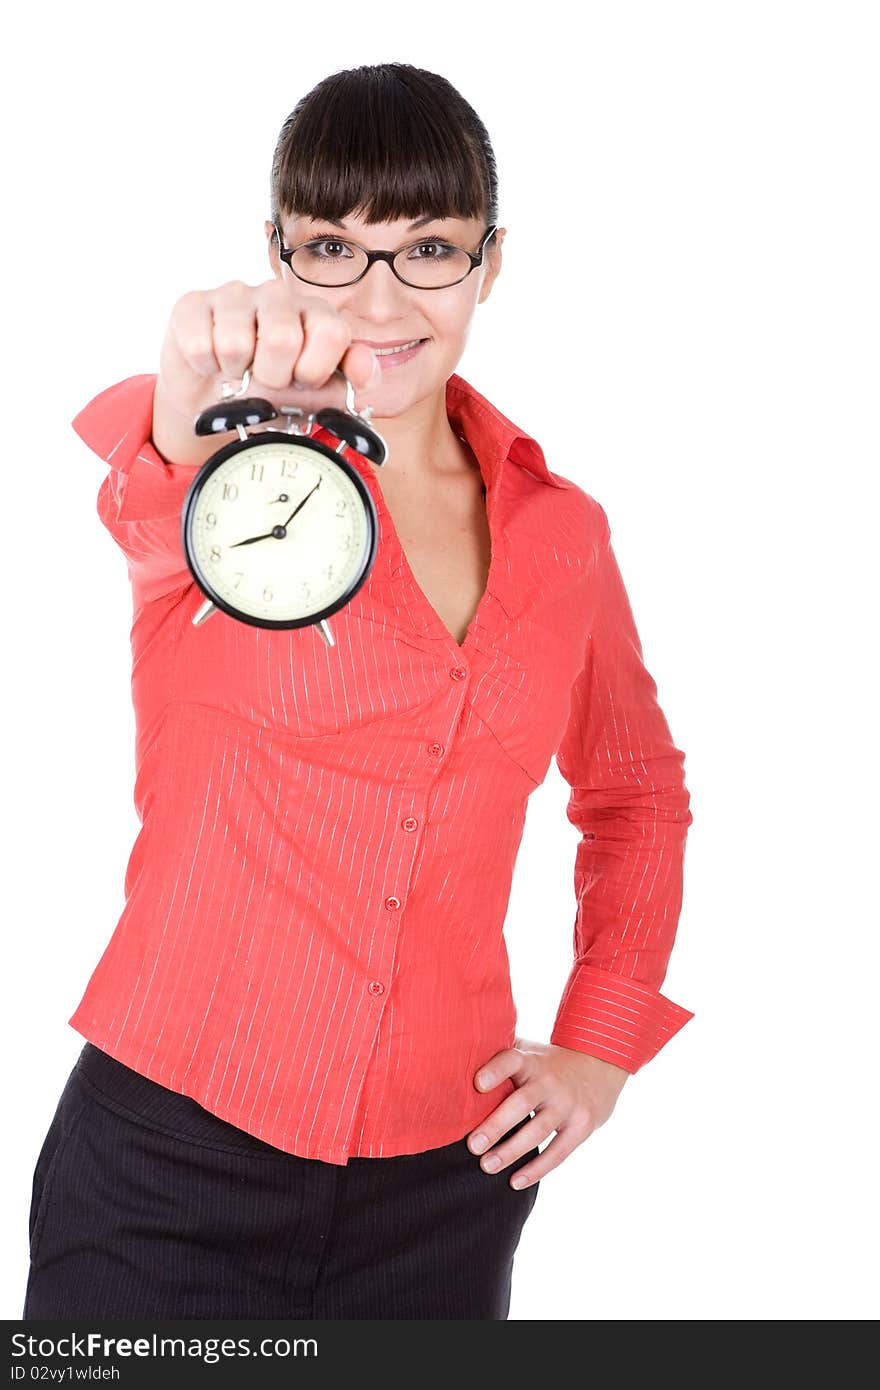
column 395, row 357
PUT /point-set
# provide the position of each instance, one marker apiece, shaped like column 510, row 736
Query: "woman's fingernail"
column 478, row 1143
column 490, row 1164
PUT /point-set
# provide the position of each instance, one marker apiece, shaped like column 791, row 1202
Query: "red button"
column 410, row 823
column 458, row 673
column 392, row 903
column 376, row 987
column 435, row 749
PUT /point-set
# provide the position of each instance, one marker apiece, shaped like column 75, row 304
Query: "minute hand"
column 302, row 503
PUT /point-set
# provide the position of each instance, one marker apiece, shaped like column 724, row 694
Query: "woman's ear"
column 492, row 258
column 274, row 258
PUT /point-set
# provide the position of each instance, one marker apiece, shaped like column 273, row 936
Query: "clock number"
column 215, row 553
column 211, row 519
column 255, row 478
column 230, row 491
column 289, row 467
column 340, row 508
column 239, row 576
column 267, row 594
column 307, row 590
column 346, row 542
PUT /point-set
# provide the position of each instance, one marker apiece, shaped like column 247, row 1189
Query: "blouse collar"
column 493, row 437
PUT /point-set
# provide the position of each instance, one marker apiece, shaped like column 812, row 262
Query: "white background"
column 687, row 320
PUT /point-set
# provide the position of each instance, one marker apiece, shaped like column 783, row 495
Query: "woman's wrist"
column 173, row 436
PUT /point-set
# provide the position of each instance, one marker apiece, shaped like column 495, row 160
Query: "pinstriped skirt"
column 145, row 1205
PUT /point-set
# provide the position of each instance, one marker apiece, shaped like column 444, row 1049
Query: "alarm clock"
column 278, row 529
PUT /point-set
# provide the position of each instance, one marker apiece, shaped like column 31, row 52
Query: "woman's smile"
column 396, row 356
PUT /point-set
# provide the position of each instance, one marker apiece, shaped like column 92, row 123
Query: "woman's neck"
column 423, row 446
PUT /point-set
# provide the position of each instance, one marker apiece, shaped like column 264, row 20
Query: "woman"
column 302, row 1023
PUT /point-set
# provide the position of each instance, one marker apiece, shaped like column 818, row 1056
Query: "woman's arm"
column 141, row 499
column 631, row 805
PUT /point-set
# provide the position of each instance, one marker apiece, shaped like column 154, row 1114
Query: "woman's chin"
column 391, row 398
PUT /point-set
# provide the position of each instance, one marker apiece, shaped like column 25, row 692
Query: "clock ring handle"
column 349, row 425
column 226, row 391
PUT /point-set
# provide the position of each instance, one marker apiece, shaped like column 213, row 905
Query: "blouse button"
column 392, row 903
column 458, row 673
column 376, row 987
column 435, row 749
column 410, row 823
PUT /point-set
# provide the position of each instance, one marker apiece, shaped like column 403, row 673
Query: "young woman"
column 302, row 1094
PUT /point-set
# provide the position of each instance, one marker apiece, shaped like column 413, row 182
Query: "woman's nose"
column 379, row 288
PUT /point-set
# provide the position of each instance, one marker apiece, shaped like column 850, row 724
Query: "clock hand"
column 278, row 532
column 250, row 540
column 302, row 503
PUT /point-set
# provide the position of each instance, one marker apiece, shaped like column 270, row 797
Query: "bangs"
column 375, row 142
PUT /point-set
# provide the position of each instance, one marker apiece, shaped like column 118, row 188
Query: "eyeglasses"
column 444, row 265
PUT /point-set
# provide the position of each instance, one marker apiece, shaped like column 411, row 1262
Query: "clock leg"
column 204, row 612
column 324, row 629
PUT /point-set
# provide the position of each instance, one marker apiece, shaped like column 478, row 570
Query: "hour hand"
column 250, row 540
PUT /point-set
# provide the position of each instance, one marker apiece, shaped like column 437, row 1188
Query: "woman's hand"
column 292, row 342
column 571, row 1092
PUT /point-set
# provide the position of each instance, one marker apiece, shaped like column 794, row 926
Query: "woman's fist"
column 293, row 344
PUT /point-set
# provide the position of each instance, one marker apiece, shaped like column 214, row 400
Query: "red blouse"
column 312, row 939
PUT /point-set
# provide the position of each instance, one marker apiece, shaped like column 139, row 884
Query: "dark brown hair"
column 385, row 141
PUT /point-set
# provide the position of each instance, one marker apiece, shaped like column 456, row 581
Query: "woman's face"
column 381, row 310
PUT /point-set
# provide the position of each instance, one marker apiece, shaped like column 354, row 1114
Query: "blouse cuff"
column 615, row 1018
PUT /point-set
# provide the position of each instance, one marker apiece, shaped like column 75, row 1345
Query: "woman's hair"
column 384, row 141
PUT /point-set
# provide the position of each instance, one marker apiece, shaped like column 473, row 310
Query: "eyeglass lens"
column 426, row 265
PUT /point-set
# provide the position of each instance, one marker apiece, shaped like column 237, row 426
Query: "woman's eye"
column 437, row 250
column 314, row 247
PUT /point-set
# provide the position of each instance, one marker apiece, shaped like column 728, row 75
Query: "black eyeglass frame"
column 286, row 252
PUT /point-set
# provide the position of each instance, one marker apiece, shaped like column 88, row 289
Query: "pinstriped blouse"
column 312, row 943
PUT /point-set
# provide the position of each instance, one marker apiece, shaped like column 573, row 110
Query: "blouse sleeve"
column 140, row 501
column 630, row 803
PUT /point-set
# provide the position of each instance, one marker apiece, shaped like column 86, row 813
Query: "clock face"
column 278, row 532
